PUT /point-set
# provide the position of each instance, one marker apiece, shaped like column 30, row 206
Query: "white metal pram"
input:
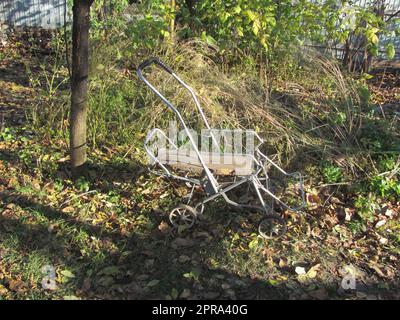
column 201, row 169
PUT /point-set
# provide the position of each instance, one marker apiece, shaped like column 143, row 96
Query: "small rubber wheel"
column 183, row 215
column 272, row 227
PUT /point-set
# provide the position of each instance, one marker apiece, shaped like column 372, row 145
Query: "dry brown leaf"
column 164, row 227
column 313, row 201
column 182, row 242
column 17, row 285
column 68, row 209
column 283, row 262
column 375, row 267
column 312, row 273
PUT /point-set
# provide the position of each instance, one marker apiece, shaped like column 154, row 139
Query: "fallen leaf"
column 106, row 281
column 380, row 223
column 164, row 227
column 17, row 285
column 71, row 298
column 182, row 242
column 67, row 273
column 68, row 210
column 312, row 273
column 383, row 240
column 153, row 283
column 313, row 201
column 335, row 200
column 300, row 270
column 283, row 262
column 3, row 290
column 349, row 212
column 36, row 184
column 112, row 270
column 185, row 294
column 273, row 282
column 142, row 277
column 183, row 259
column 375, row 267
column 389, row 213
column 64, row 159
column 361, row 295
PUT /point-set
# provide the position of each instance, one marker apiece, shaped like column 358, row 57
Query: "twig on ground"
column 78, row 196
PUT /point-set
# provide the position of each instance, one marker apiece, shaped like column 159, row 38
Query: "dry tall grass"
column 231, row 100
column 316, row 113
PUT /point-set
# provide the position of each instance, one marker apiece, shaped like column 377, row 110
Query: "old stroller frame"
column 246, row 168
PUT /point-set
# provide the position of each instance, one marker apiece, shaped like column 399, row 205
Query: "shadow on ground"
column 146, row 265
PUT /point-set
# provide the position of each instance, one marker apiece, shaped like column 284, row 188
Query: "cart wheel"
column 183, row 215
column 272, row 227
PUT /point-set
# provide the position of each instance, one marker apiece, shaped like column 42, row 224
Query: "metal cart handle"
column 148, row 62
column 157, row 61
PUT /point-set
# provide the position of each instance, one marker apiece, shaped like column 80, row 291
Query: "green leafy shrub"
column 366, row 207
column 332, row 173
column 385, row 187
column 7, row 134
column 83, row 185
column 387, row 162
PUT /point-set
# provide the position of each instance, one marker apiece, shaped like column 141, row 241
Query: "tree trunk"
column 346, row 62
column 79, row 84
column 379, row 10
column 190, row 5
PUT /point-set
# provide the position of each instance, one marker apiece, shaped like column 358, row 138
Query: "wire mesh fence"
column 48, row 14
column 391, row 9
